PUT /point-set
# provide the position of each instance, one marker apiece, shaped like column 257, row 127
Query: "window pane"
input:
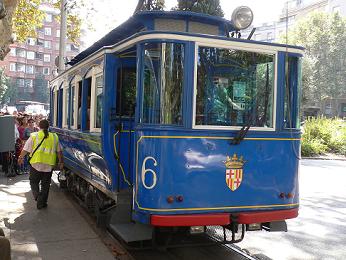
column 293, row 81
column 126, row 90
column 234, row 88
column 99, row 100
column 67, row 118
column 163, row 83
column 73, row 102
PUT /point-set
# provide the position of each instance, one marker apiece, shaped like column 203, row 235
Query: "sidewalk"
column 55, row 233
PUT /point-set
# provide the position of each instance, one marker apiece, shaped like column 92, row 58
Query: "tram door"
column 124, row 137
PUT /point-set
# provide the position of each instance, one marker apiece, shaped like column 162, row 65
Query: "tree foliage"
column 324, row 38
column 145, row 5
column 211, row 7
column 28, row 17
column 4, row 83
column 8, row 92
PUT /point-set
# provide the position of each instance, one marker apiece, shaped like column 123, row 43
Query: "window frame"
column 95, row 72
column 65, row 105
column 140, row 93
column 239, row 47
column 48, row 31
column 75, row 83
column 45, row 55
column 55, row 105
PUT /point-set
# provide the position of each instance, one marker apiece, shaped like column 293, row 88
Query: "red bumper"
column 222, row 219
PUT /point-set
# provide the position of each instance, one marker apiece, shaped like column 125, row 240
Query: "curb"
column 324, row 158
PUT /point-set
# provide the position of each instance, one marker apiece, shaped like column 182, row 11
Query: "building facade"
column 31, row 65
column 293, row 11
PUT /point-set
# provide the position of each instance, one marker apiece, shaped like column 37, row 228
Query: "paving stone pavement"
column 55, row 233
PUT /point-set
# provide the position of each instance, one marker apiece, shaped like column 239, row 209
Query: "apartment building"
column 293, row 11
column 31, row 65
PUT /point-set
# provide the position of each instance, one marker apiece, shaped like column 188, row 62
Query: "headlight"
column 242, row 17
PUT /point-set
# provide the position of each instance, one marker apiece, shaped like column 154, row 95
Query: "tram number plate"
column 146, row 171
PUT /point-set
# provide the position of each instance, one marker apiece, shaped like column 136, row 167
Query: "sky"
column 110, row 13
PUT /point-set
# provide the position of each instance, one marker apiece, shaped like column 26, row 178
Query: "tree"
column 211, row 7
column 23, row 17
column 4, row 83
column 10, row 94
column 324, row 38
column 147, row 5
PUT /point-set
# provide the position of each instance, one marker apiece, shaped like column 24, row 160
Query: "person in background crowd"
column 21, row 126
column 44, row 148
column 27, row 132
column 20, row 141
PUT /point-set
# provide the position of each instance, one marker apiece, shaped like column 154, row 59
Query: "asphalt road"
column 319, row 232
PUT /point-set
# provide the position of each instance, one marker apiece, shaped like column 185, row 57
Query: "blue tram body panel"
column 194, row 167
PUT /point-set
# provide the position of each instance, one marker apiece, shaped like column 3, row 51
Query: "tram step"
column 131, row 232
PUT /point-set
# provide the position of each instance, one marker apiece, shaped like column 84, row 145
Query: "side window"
column 66, row 101
column 293, row 83
column 126, row 92
column 72, row 105
column 55, row 109
column 88, row 103
column 79, row 104
column 163, row 84
column 60, row 107
column 98, row 100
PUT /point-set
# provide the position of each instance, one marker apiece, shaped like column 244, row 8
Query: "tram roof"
column 144, row 20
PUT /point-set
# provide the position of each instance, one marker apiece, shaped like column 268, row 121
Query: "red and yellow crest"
column 234, row 171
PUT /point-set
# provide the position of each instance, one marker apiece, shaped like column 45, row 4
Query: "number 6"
column 144, row 172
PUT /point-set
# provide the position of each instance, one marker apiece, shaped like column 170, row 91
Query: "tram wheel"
column 70, row 183
column 90, row 201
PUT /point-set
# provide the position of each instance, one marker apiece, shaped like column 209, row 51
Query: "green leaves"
column 211, row 7
column 324, row 37
column 321, row 135
column 28, row 17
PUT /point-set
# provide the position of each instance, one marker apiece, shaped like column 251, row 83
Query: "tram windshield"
column 234, row 88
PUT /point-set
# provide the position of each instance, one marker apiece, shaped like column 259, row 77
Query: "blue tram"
column 167, row 121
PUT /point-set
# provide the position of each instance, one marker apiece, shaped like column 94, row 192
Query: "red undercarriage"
column 222, row 219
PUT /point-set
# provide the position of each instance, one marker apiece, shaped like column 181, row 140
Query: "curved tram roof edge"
column 200, row 38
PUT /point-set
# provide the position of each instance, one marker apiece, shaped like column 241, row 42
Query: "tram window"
column 234, row 88
column 79, row 105
column 163, row 83
column 88, row 86
column 66, row 101
column 55, row 100
column 73, row 102
column 293, row 81
column 126, row 91
column 98, row 100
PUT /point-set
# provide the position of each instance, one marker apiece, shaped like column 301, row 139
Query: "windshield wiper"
column 241, row 134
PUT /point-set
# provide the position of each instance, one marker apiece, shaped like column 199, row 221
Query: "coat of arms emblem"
column 234, row 171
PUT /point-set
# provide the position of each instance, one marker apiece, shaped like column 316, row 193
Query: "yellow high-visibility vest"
column 46, row 153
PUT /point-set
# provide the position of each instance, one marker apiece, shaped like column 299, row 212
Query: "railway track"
column 119, row 250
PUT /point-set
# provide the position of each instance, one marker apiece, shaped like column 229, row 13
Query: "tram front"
column 217, row 137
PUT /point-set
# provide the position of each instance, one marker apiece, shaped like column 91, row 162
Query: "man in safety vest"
column 44, row 149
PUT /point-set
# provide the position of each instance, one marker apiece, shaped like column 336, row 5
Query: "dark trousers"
column 36, row 178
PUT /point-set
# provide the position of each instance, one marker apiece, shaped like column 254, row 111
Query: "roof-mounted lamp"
column 242, row 17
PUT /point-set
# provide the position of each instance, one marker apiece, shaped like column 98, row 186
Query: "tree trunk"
column 6, row 27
